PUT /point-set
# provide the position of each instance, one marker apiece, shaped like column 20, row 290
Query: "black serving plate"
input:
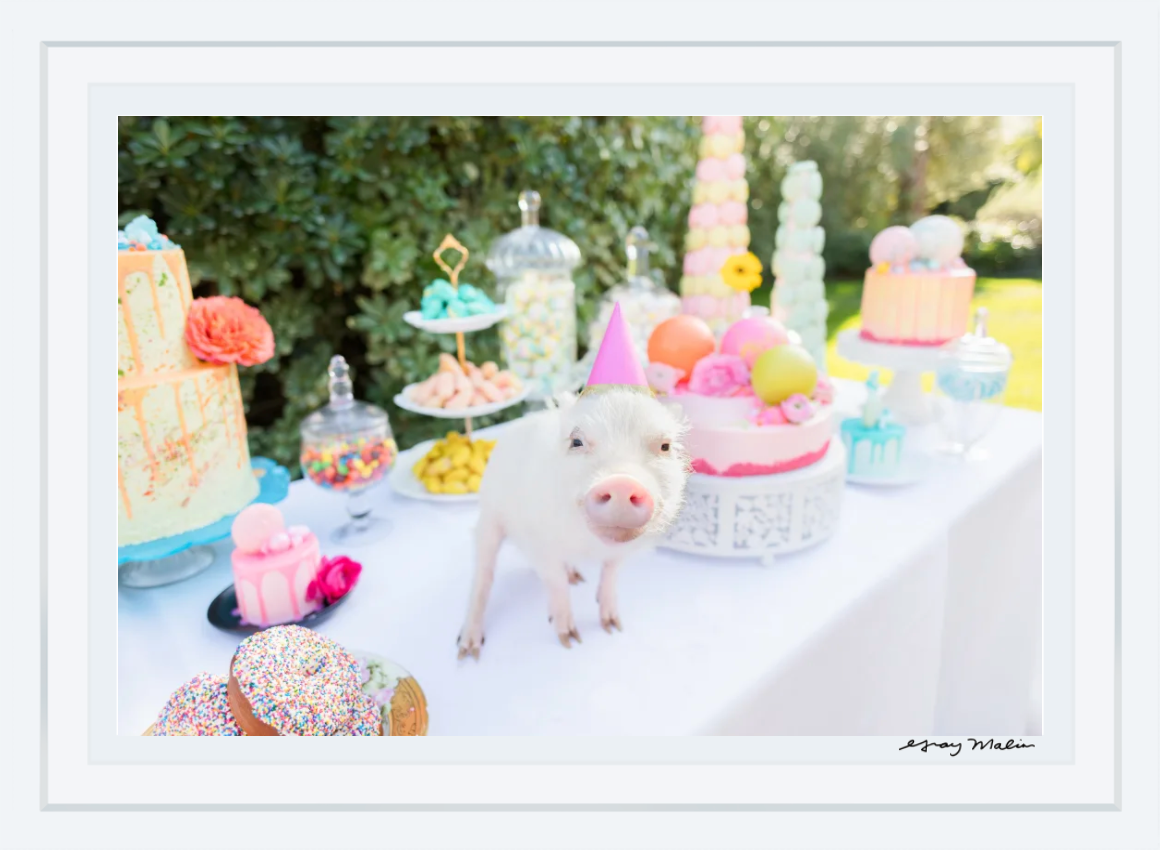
column 223, row 613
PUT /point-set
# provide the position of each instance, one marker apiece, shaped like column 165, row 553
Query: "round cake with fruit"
column 756, row 403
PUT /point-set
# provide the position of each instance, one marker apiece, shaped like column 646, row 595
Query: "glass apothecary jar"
column 533, row 266
column 970, row 382
column 644, row 303
column 348, row 447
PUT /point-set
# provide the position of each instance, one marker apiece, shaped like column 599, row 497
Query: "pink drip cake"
column 274, row 567
column 752, row 410
column 717, row 224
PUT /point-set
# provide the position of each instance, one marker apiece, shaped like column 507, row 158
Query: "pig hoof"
column 609, row 622
column 470, row 645
column 574, row 576
column 566, row 638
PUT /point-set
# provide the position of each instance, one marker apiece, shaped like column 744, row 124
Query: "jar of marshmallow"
column 533, row 266
column 644, row 303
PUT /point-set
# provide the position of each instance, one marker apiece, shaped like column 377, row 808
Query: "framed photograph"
column 707, row 427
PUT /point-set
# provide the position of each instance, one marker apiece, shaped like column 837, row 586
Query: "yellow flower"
column 742, row 272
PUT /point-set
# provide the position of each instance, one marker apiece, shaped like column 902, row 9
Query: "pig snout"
column 619, row 507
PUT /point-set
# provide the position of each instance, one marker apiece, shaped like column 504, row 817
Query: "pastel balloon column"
column 717, row 225
column 799, row 295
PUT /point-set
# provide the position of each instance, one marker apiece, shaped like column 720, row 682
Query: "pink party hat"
column 616, row 362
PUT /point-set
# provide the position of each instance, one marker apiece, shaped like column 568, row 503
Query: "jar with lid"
column 970, row 382
column 533, row 267
column 643, row 302
column 348, row 447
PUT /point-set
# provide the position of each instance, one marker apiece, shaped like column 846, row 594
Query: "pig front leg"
column 560, row 606
column 488, row 538
column 606, row 596
column 574, row 576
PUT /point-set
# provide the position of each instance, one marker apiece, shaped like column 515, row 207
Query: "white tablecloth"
column 921, row 616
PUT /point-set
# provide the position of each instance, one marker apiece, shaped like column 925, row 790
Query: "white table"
column 921, row 616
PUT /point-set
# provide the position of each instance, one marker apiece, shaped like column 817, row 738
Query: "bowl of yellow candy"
column 445, row 470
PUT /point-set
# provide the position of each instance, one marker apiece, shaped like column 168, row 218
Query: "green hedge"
column 328, row 224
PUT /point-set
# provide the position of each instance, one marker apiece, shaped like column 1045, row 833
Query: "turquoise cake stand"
column 181, row 556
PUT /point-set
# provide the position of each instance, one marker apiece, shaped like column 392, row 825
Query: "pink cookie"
column 735, row 167
column 721, row 124
column 710, row 170
column 703, row 216
column 732, row 212
column 255, row 525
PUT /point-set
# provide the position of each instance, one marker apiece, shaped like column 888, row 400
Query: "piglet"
column 597, row 477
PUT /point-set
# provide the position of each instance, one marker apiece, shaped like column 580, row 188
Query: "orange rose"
column 228, row 330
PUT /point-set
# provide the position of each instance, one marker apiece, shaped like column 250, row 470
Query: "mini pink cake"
column 274, row 567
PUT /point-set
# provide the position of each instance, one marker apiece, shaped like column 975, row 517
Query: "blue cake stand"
column 181, row 556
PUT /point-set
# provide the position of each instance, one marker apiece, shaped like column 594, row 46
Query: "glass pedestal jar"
column 643, row 302
column 348, row 447
column 533, row 266
column 970, row 382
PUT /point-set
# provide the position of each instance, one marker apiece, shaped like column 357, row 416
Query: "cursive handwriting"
column 956, row 747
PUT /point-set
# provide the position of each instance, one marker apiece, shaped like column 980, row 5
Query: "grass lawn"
column 1015, row 310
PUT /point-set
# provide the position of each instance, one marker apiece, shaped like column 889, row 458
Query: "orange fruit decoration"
column 680, row 342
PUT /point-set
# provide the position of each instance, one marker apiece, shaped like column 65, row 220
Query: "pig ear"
column 564, row 401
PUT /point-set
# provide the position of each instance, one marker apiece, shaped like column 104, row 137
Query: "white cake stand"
column 905, row 397
column 761, row 516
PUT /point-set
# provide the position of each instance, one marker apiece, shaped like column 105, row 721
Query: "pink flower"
column 336, row 576
column 718, row 375
column 797, row 408
column 383, row 696
column 824, row 391
column 227, row 330
column 662, row 377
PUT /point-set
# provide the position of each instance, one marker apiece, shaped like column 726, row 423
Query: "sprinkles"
column 199, row 707
column 302, row 683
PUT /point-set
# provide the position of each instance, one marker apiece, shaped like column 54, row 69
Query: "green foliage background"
column 328, row 224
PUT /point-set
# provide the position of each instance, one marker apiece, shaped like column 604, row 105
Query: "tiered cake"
column 798, row 292
column 717, row 225
column 182, row 458
column 918, row 290
column 769, row 476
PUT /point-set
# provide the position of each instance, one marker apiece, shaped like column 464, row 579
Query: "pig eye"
column 577, row 443
column 664, row 447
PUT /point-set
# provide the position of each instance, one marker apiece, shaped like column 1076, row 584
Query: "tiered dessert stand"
column 401, row 474
column 904, row 397
column 182, row 556
column 761, row 516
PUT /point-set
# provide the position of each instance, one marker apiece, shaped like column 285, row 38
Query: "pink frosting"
column 721, row 124
column 732, row 212
column 742, row 469
column 719, row 375
column 710, row 170
column 703, row 215
column 735, row 166
column 769, row 416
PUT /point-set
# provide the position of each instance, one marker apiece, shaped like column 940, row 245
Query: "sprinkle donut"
column 199, row 707
column 292, row 681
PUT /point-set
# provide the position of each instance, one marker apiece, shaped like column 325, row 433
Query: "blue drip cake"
column 873, row 442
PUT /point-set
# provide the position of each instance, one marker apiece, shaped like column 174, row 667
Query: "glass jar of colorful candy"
column 348, row 447
column 533, row 266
